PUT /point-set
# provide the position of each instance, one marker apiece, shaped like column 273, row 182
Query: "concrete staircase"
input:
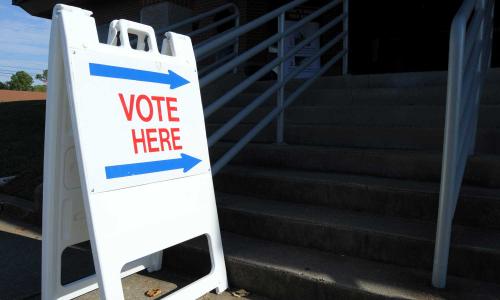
column 346, row 209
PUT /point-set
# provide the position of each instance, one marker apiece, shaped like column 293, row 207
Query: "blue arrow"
column 171, row 78
column 185, row 162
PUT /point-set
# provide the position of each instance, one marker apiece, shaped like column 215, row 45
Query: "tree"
column 21, row 81
column 43, row 77
column 4, row 86
column 40, row 88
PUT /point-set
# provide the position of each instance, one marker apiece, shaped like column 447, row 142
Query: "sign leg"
column 217, row 258
column 110, row 286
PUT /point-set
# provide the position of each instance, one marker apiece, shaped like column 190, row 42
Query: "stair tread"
column 343, row 272
column 393, row 80
column 356, row 127
column 438, row 87
column 483, row 169
column 393, row 128
column 402, row 152
column 363, row 181
column 435, row 107
column 488, row 86
column 307, row 148
column 484, row 240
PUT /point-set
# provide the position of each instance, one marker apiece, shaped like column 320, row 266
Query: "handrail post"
column 237, row 41
column 450, row 156
column 468, row 53
column 278, row 65
column 482, row 69
column 280, row 126
column 345, row 28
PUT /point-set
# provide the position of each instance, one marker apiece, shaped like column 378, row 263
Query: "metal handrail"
column 268, row 42
column 201, row 51
column 243, row 57
column 270, row 91
column 469, row 59
column 208, row 48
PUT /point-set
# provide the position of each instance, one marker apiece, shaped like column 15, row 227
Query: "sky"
column 25, row 41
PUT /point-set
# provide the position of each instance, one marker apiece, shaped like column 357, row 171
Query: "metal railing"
column 278, row 87
column 469, row 59
column 204, row 34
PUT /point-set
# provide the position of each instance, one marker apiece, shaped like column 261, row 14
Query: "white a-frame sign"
column 126, row 157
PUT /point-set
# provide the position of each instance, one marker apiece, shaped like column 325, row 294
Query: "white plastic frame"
column 124, row 27
column 72, row 213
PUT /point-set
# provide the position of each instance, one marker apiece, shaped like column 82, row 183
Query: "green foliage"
column 43, row 77
column 40, row 88
column 21, row 81
column 4, row 86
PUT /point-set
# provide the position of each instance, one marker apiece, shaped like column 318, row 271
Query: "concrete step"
column 474, row 253
column 388, row 80
column 422, row 116
column 287, row 272
column 488, row 139
column 478, row 207
column 219, row 87
column 482, row 170
column 425, row 95
column 267, row 135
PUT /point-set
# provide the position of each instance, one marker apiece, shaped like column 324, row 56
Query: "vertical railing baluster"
column 236, row 46
column 345, row 28
column 280, row 126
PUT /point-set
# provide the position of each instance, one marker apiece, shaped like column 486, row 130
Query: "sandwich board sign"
column 126, row 161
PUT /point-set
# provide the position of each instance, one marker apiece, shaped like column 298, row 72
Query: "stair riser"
column 364, row 82
column 397, row 116
column 488, row 141
column 398, row 250
column 399, row 80
column 215, row 90
column 481, row 170
column 472, row 211
column 369, row 96
column 264, row 280
column 267, row 135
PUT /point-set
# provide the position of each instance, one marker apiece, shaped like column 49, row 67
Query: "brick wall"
column 249, row 10
column 106, row 11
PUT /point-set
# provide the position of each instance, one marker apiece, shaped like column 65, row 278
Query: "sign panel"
column 145, row 116
column 293, row 16
column 126, row 161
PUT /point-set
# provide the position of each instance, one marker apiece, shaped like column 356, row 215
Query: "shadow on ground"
column 20, row 274
column 21, row 153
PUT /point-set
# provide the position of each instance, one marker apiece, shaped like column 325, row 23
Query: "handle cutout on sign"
column 122, row 32
column 76, row 263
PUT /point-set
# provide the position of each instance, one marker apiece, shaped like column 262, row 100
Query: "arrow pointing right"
column 171, row 78
column 185, row 162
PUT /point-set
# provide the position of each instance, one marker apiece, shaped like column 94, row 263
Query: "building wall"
column 384, row 36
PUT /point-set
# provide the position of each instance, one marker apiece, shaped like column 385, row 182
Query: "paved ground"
column 20, row 261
